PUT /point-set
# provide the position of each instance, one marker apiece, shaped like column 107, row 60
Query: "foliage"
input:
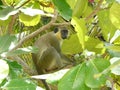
column 93, row 45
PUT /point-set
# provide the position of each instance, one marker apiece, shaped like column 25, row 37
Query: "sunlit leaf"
column 80, row 7
column 4, row 70
column 71, row 45
column 80, row 28
column 32, row 12
column 115, row 14
column 94, row 45
column 108, row 29
column 52, row 78
column 115, row 69
column 29, row 20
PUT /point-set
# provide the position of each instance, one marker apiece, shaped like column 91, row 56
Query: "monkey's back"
column 48, row 47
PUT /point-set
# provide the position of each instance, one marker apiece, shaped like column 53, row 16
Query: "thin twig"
column 23, row 4
column 10, row 26
column 95, row 11
column 61, row 24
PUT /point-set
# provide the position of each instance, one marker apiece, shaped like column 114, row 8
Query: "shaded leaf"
column 5, row 42
column 25, row 50
column 7, row 12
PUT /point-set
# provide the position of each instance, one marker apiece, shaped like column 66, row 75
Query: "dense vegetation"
column 93, row 44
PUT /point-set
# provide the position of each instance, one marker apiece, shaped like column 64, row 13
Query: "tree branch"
column 43, row 28
column 95, row 11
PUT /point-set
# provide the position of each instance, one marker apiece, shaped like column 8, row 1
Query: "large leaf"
column 74, row 79
column 63, row 8
column 71, row 3
column 7, row 12
column 108, row 29
column 80, row 28
column 115, row 14
column 29, row 20
column 4, row 70
column 19, row 84
column 82, row 77
column 116, row 68
column 5, row 42
column 94, row 67
column 80, row 7
column 94, row 45
column 71, row 45
column 15, row 70
column 32, row 12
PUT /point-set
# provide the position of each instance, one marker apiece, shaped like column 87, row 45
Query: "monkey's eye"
column 55, row 30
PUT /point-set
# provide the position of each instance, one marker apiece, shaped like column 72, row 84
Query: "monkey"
column 49, row 55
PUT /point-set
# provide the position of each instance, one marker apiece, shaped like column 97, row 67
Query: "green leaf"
column 115, row 14
column 7, row 12
column 82, row 77
column 63, row 8
column 116, row 69
column 94, row 67
column 52, row 78
column 80, row 7
column 29, row 20
column 71, row 3
column 15, row 70
column 114, row 48
column 108, row 29
column 94, row 45
column 116, row 36
column 74, row 79
column 5, row 42
column 19, row 84
column 4, row 70
column 25, row 50
column 80, row 28
column 71, row 45
column 32, row 12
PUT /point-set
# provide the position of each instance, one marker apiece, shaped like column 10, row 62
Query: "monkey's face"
column 61, row 33
column 64, row 34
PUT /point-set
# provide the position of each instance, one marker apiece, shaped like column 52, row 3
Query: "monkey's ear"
column 55, row 30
